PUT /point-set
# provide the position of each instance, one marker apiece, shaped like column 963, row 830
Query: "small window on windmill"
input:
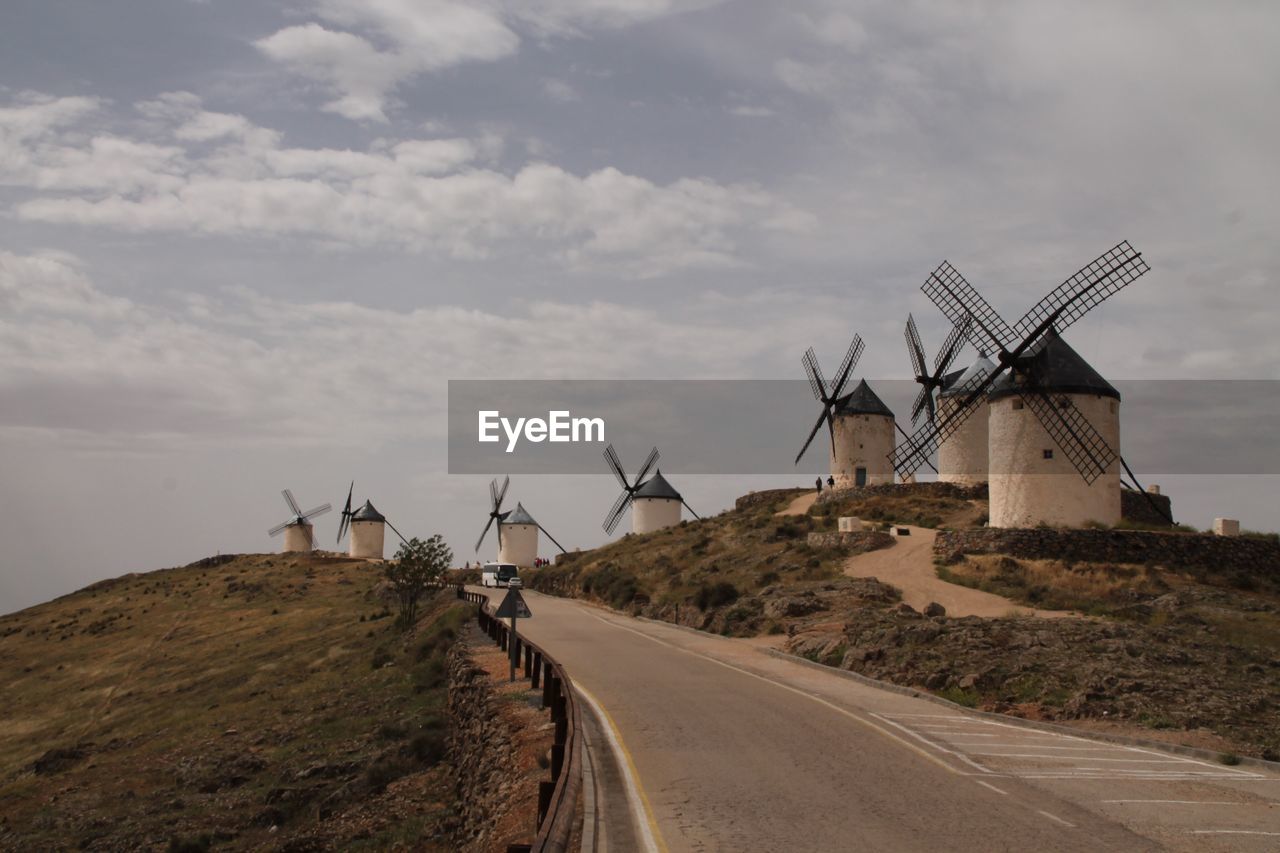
column 1048, row 453
column 1017, row 404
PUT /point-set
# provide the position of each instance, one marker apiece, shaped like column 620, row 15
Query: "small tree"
column 415, row 567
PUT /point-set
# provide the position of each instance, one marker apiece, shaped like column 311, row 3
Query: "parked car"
column 515, row 583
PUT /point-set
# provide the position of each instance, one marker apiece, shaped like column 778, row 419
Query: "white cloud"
column 242, row 368
column 225, row 175
column 383, row 43
column 560, row 91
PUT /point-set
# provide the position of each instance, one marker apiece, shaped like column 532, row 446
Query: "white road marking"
column 1055, row 818
column 992, row 787
column 1232, row 832
column 1181, row 802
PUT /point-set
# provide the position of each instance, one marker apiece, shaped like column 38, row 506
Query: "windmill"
column 367, row 527
column 1044, row 398
column 298, row 530
column 656, row 502
column 861, row 426
column 517, row 529
column 963, row 457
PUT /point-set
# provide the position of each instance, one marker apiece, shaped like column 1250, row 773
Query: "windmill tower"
column 299, row 533
column 367, row 527
column 655, row 502
column 1054, row 428
column 860, row 424
column 962, row 458
column 517, row 529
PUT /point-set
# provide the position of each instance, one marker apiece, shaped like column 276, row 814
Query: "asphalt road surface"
column 708, row 744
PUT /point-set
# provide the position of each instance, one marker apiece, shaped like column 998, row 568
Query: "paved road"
column 733, row 749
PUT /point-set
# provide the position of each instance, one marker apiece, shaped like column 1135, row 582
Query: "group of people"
column 831, row 483
column 539, row 562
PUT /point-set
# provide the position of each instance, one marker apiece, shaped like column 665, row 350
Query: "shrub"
column 715, row 595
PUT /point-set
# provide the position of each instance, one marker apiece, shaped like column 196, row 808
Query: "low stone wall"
column 767, row 496
column 864, row 540
column 1171, row 550
column 481, row 752
column 1136, row 507
column 899, row 490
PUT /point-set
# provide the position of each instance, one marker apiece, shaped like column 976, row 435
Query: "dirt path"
column 800, row 505
column 908, row 565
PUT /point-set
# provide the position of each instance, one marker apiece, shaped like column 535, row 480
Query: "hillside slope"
column 255, row 701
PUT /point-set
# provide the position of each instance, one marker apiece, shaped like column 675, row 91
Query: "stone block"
column 1226, row 527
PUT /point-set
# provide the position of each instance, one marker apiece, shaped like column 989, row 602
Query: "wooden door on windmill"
column 860, row 476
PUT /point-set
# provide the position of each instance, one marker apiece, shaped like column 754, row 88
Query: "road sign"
column 513, row 605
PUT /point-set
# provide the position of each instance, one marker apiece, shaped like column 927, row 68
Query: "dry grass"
column 917, row 510
column 696, row 561
column 184, row 698
column 1096, row 588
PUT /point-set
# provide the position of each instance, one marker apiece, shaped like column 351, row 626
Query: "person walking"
column 818, row 484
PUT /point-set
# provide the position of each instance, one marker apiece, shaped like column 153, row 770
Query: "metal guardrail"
column 558, row 798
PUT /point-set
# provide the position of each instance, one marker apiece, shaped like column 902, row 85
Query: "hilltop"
column 1155, row 650
column 246, row 701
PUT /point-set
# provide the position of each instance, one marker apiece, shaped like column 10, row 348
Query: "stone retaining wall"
column 1136, row 506
column 481, row 752
column 900, row 490
column 1171, row 550
column 767, row 496
column 865, row 540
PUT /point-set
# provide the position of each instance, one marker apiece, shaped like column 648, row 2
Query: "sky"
column 244, row 245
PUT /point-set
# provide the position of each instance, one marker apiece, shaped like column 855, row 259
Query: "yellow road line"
column 649, row 827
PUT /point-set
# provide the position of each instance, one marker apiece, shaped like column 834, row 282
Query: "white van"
column 498, row 574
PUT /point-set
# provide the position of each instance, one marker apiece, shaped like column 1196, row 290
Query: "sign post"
column 513, row 607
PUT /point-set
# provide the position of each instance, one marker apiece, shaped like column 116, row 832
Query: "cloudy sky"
column 244, row 245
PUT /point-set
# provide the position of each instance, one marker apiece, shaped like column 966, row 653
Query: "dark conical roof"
column 953, row 382
column 862, row 401
column 657, row 487
column 367, row 513
column 519, row 515
column 1052, row 365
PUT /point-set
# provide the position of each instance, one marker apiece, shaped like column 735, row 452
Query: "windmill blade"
column 615, row 465
column 903, row 433
column 691, row 512
column 955, row 297
column 915, row 348
column 484, row 532
column 275, row 531
column 615, row 514
column 553, row 539
column 1101, row 279
column 817, row 374
column 293, row 504
column 846, row 367
column 320, row 510
column 825, row 416
column 810, row 362
column 916, row 450
column 951, row 347
column 342, row 527
column 346, row 509
column 502, row 492
column 401, row 535
column 924, row 399
column 1083, row 445
column 647, row 466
